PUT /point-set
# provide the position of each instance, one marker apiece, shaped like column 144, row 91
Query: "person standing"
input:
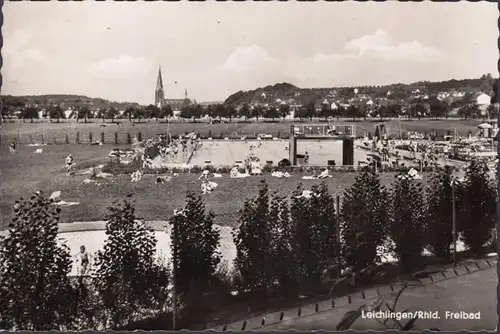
column 12, row 147
column 69, row 163
column 84, row 260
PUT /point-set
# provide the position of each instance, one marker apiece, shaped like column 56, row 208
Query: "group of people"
column 173, row 149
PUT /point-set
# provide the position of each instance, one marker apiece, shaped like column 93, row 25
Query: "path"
column 473, row 291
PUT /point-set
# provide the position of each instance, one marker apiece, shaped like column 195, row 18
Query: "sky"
column 113, row 50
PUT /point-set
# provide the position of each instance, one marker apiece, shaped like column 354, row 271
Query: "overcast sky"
column 113, row 50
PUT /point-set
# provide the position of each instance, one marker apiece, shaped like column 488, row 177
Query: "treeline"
column 286, row 247
column 431, row 108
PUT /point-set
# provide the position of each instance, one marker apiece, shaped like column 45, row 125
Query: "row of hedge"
column 286, row 246
column 103, row 137
column 116, row 168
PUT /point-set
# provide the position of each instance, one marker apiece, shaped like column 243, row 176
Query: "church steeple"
column 159, row 93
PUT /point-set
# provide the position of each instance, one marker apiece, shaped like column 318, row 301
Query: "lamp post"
column 454, row 220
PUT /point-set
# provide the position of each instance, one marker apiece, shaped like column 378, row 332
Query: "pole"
column 339, row 265
column 174, row 272
column 454, row 217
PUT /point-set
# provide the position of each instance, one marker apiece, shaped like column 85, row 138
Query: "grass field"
column 56, row 132
column 23, row 173
column 26, row 172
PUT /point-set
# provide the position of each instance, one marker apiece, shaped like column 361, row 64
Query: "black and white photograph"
column 249, row 166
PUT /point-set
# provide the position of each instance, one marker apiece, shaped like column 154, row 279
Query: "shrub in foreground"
column 127, row 278
column 254, row 262
column 197, row 242
column 35, row 290
column 407, row 222
column 478, row 207
column 316, row 236
column 440, row 213
column 365, row 220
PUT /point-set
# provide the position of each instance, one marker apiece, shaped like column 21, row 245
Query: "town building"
column 161, row 101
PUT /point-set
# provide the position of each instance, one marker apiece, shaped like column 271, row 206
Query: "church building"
column 161, row 101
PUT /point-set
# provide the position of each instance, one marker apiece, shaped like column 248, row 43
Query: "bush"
column 440, row 213
column 478, row 207
column 35, row 291
column 127, row 278
column 407, row 222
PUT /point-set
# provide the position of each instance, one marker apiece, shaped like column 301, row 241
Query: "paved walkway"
column 473, row 292
column 471, row 289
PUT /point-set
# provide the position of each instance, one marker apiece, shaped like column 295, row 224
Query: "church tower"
column 159, row 93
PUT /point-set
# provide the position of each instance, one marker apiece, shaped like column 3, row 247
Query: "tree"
column 253, row 243
column 326, row 111
column 35, row 290
column 56, row 112
column 365, row 217
column 167, row 111
column 111, row 113
column 127, row 278
column 440, row 213
column 470, row 110
column 244, row 111
column 31, row 113
column 310, row 110
column 130, row 112
column 283, row 248
column 220, row 111
column 478, row 207
column 257, row 112
column 438, row 108
column 417, row 110
column 152, row 111
column 353, row 111
column 230, row 112
column 186, row 112
column 492, row 111
column 139, row 113
column 197, row 245
column 407, row 221
column 284, row 110
column 85, row 113
column 316, row 235
column 271, row 113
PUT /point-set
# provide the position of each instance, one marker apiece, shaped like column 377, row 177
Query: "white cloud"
column 380, row 45
column 252, row 66
column 247, row 59
column 122, row 66
column 17, row 52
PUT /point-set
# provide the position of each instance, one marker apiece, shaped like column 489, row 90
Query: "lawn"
column 56, row 132
column 26, row 172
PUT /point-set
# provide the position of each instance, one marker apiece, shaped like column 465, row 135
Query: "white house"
column 483, row 99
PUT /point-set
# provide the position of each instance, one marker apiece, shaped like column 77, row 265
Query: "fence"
column 75, row 137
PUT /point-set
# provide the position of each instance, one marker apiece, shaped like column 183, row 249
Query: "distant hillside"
column 65, row 101
column 293, row 94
